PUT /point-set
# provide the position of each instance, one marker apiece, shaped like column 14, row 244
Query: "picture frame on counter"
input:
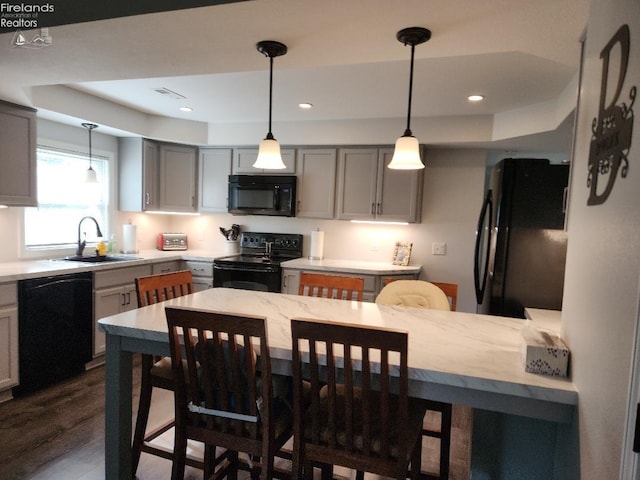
column 402, row 253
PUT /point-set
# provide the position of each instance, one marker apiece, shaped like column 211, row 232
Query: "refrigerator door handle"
column 481, row 283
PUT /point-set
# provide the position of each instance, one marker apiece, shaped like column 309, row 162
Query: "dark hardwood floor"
column 58, row 433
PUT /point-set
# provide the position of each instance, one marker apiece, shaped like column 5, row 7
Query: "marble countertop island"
column 453, row 357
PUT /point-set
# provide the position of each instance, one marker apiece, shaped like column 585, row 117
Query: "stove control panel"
column 279, row 243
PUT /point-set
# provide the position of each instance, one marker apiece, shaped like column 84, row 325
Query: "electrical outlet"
column 438, row 248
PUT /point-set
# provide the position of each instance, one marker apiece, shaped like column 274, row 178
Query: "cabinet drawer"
column 200, row 269
column 8, row 294
column 167, row 267
column 119, row 276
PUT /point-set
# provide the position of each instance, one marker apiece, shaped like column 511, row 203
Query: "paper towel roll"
column 129, row 241
column 317, row 245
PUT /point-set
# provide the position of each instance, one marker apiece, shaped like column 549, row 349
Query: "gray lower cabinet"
column 156, row 176
column 202, row 273
column 214, row 168
column 244, row 158
column 316, row 191
column 114, row 291
column 8, row 335
column 373, row 282
column 18, row 155
column 368, row 190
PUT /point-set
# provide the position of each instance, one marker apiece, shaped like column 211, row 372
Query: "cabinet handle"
column 124, row 300
column 379, row 210
column 147, row 198
column 193, row 201
column 128, row 298
column 373, row 208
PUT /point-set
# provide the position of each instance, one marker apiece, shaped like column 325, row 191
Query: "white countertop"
column 477, row 356
column 350, row 266
column 21, row 270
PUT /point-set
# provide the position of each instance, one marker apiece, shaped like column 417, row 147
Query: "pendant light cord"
column 407, row 132
column 269, row 134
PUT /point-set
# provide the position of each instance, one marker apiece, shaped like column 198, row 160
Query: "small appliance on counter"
column 172, row 241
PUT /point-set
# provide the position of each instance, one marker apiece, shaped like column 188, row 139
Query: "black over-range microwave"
column 262, row 195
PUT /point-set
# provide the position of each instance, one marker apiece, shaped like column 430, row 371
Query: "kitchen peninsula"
column 454, row 357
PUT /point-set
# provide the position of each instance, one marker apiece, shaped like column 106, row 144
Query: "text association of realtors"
column 22, row 15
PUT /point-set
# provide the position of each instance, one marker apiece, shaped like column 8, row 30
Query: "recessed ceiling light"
column 475, row 98
column 186, row 109
column 305, row 106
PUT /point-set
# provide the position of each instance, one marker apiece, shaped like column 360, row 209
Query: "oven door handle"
column 246, row 268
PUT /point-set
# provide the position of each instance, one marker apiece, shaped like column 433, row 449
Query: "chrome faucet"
column 83, row 243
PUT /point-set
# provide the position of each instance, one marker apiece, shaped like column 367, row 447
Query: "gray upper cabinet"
column 316, row 172
column 156, row 176
column 138, row 174
column 18, row 155
column 214, row 167
column 244, row 158
column 178, row 177
column 367, row 190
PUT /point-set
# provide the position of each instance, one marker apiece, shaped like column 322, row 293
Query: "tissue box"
column 544, row 353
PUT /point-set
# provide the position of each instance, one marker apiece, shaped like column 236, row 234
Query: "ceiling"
column 343, row 57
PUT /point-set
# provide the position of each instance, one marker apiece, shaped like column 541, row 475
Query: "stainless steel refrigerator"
column 521, row 243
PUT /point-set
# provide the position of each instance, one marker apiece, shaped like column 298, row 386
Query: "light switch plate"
column 438, row 248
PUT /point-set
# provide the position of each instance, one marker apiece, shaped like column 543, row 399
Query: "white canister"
column 232, row 247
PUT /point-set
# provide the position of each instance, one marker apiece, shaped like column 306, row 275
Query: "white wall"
column 600, row 312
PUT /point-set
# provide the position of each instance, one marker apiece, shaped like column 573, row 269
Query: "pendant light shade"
column 269, row 156
column 406, row 155
column 90, row 174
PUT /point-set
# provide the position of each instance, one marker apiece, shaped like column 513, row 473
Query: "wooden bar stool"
column 156, row 371
column 438, row 296
column 331, row 286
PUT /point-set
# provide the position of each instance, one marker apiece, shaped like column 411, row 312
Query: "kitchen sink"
column 99, row 259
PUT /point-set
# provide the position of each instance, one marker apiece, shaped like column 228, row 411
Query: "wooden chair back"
column 157, row 288
column 354, row 417
column 224, row 397
column 331, row 286
column 451, row 291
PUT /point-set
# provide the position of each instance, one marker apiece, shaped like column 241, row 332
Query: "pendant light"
column 406, row 155
column 90, row 174
column 269, row 156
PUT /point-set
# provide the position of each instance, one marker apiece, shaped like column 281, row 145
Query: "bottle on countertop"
column 112, row 246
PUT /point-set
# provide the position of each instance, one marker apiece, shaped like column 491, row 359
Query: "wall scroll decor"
column 613, row 128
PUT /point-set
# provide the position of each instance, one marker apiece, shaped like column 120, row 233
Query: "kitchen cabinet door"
column 368, row 190
column 138, row 174
column 8, row 335
column 244, row 158
column 110, row 301
column 18, row 154
column 399, row 192
column 177, row 178
column 214, row 168
column 316, row 191
column 357, row 183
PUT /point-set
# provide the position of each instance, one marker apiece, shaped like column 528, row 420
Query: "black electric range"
column 257, row 266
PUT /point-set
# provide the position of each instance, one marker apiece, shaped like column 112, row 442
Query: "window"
column 64, row 198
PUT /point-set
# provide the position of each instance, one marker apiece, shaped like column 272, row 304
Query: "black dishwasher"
column 55, row 322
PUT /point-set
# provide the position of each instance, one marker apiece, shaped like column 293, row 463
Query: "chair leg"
column 179, row 456
column 416, row 460
column 144, row 406
column 359, row 475
column 445, row 441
